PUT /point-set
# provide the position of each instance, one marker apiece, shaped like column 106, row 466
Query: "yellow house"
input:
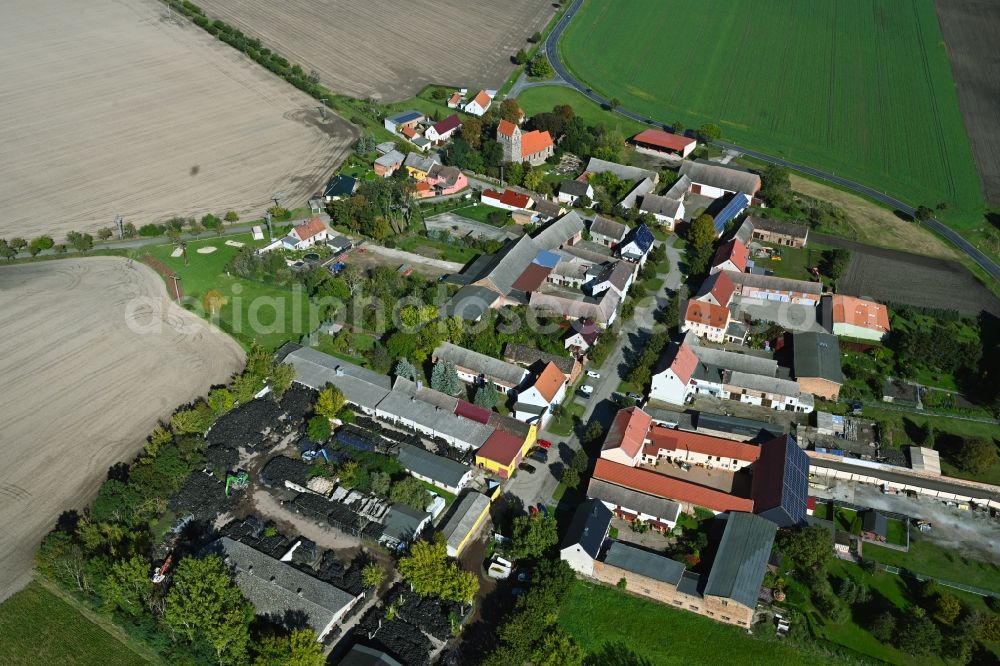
column 418, row 166
column 503, row 452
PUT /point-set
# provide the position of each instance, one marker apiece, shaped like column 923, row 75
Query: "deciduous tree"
column 533, row 535
column 330, row 401
column 299, row 648
column 128, row 587
column 318, row 429
column 976, row 455
column 411, row 492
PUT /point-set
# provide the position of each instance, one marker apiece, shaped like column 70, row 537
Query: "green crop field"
column 860, row 88
column 37, row 627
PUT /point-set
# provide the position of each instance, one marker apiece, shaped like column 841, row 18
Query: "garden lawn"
column 594, row 614
column 38, row 627
column 428, row 247
column 925, row 557
column 859, row 88
column 269, row 314
column 481, row 213
column 562, row 423
column 895, row 532
column 542, row 98
column 444, row 494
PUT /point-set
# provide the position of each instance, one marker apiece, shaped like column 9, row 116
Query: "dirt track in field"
column 970, row 29
column 107, row 107
column 83, row 385
column 388, row 50
column 900, row 277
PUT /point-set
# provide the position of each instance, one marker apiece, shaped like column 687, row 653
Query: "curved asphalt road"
column 551, row 50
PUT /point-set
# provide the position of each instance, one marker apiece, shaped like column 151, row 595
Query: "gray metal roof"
column 602, row 226
column 421, row 162
column 575, row 187
column 746, row 363
column 589, row 527
column 600, row 310
column 528, row 356
column 402, row 522
column 493, row 369
column 744, row 233
column 469, row 508
column 402, row 405
column 559, row 231
column 275, row 588
column 735, row 425
column 507, row 265
column 546, row 207
column 785, row 387
column 425, row 463
column 391, row 158
column 633, row 499
column 628, row 557
column 741, row 559
column 678, row 189
column 360, row 386
column 817, row 355
column 875, row 521
column 690, row 584
column 624, row 172
column 470, row 302
column 724, row 178
column 617, row 273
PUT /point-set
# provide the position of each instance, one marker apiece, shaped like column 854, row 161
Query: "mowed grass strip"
column 929, row 559
column 861, row 88
column 595, row 615
column 37, row 627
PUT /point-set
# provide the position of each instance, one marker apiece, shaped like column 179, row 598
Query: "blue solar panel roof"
column 546, row 259
column 736, row 206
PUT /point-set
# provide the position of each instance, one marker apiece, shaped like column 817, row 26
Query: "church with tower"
column 533, row 147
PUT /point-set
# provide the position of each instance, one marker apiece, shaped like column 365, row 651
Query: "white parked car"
column 595, row 375
column 586, row 389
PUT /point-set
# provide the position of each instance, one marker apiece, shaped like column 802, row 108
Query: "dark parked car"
column 527, row 468
column 539, row 456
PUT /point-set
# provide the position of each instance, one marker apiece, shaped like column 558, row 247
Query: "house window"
column 693, row 607
column 726, row 618
column 725, row 602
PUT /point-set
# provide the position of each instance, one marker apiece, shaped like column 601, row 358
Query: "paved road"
column 552, row 51
column 538, row 487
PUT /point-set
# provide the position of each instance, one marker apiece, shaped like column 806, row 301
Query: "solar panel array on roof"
column 547, row 259
column 736, row 205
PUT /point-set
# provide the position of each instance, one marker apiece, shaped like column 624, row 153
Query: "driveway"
column 460, row 226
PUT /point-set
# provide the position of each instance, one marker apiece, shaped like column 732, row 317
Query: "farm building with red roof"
column 658, row 142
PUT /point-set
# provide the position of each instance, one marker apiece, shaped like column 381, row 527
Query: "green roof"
column 817, row 355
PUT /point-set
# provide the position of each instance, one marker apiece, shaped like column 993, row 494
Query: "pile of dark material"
column 253, row 533
column 431, row 615
column 337, row 515
column 203, row 497
column 346, row 577
column 446, row 450
column 281, row 468
column 387, row 440
column 221, row 459
column 402, row 640
column 257, row 425
column 298, row 402
column 355, row 438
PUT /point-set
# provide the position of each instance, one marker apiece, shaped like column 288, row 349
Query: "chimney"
column 299, row 591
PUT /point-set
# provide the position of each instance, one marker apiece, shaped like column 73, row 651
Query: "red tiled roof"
column 482, row 99
column 664, row 438
column 549, row 381
column 684, row 363
column 532, row 277
column 409, row 132
column 534, row 142
column 721, row 286
column 472, row 412
column 666, row 487
column 506, row 128
column 709, row 314
column 492, row 194
column 501, row 447
column 448, row 124
column 734, row 251
column 456, row 98
column 310, row 229
column 516, row 199
column 662, row 139
column 628, row 431
column 859, row 312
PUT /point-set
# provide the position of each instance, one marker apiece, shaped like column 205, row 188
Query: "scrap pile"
column 256, row 426
column 399, row 638
column 298, row 402
column 202, row 496
column 432, row 615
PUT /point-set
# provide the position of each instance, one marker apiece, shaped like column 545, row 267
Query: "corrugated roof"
column 741, row 560
column 559, row 231
column 474, row 412
column 405, row 117
column 419, row 162
column 402, row 522
column 657, row 205
column 470, row 302
column 532, row 278
column 492, row 368
column 680, row 440
column 817, row 355
column 507, row 264
column 391, row 158
column 589, row 527
column 425, row 463
column 577, row 188
column 624, row 172
column 469, row 509
column 628, row 431
column 651, row 565
column 399, row 404
column 360, row 386
column 765, row 383
column 659, row 485
column 774, row 283
column 642, row 188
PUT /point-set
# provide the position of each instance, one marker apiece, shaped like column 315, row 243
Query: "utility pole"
column 177, row 288
column 120, row 226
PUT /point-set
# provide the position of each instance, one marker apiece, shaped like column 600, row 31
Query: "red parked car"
column 545, row 444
